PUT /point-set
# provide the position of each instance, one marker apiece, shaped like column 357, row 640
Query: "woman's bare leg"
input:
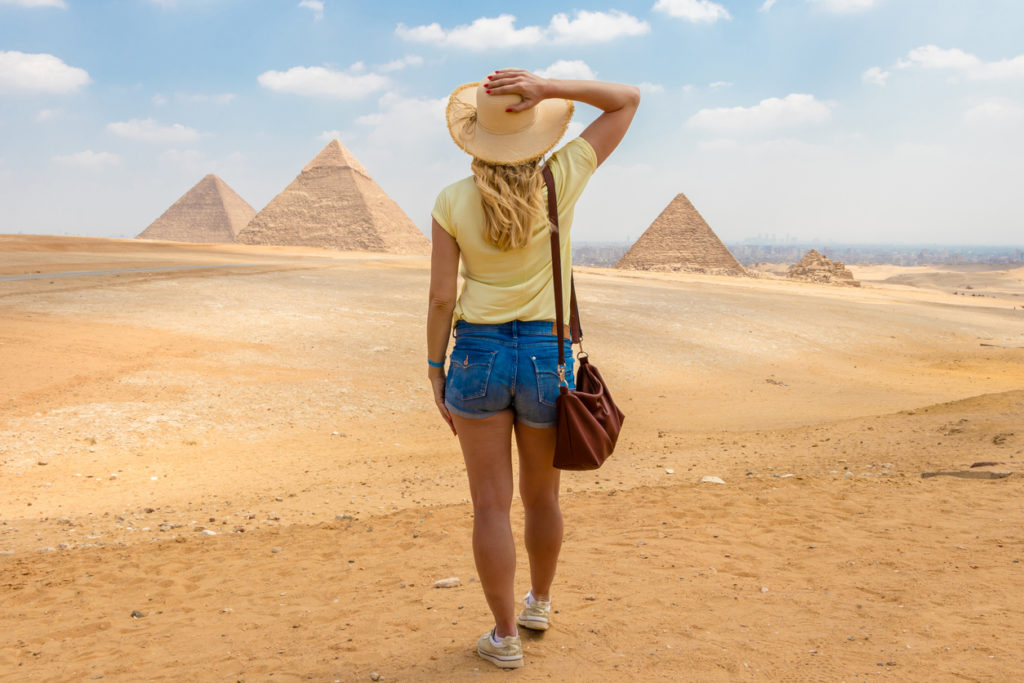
column 487, row 449
column 538, row 487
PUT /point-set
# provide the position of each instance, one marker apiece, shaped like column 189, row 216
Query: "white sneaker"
column 507, row 655
column 536, row 615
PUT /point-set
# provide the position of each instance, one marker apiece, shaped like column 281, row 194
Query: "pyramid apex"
column 335, row 155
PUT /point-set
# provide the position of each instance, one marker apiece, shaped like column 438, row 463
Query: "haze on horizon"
column 853, row 121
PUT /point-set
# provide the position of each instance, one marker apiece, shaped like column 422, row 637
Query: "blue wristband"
column 435, row 365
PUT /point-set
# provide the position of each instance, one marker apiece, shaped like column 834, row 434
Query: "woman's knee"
column 541, row 500
column 492, row 502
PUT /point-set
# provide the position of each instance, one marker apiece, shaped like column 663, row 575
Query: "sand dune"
column 279, row 401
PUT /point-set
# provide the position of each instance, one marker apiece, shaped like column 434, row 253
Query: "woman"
column 502, row 377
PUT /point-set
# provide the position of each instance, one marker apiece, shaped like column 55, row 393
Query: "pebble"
column 42, row 462
column 275, row 550
column 136, row 614
column 209, row 532
column 376, row 676
column 344, row 518
column 450, row 582
column 764, row 589
column 708, row 479
column 114, row 475
column 669, row 470
column 848, row 475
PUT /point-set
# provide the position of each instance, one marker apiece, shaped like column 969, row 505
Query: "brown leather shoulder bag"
column 588, row 419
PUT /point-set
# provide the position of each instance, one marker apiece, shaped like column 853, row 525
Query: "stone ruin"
column 815, row 267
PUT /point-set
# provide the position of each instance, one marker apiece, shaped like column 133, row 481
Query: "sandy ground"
column 246, row 458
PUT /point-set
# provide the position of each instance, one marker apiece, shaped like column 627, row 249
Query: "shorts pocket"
column 545, row 367
column 469, row 373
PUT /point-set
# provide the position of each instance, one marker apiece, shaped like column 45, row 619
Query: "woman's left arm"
column 444, row 273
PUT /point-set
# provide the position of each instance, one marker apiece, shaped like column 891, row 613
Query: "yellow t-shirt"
column 501, row 286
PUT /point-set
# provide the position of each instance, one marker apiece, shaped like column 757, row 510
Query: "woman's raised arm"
column 618, row 101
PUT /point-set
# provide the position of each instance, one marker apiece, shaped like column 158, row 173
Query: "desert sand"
column 236, row 472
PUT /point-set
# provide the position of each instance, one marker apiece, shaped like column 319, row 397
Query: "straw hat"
column 480, row 125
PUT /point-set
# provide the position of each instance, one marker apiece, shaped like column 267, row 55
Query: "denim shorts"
column 512, row 365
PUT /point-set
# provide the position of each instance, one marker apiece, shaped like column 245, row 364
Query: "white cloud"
column 183, row 158
column 956, row 60
column 323, row 82
column 488, row 33
column 845, row 6
column 399, row 64
column 651, row 88
column 315, row 6
column 566, row 68
column 767, row 6
column 875, row 75
column 215, row 98
column 484, row 33
column 697, row 11
column 719, row 84
column 573, row 130
column 47, row 115
column 996, row 111
column 88, row 159
column 160, row 99
column 36, row 3
column 401, row 117
column 21, row 72
column 718, row 145
column 934, row 57
column 148, row 130
column 595, row 27
column 792, row 110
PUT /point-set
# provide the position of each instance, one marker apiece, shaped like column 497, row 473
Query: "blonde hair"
column 512, row 201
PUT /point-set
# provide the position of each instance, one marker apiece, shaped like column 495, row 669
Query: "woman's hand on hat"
column 531, row 87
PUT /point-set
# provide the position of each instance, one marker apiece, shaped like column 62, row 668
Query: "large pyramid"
column 681, row 240
column 209, row 212
column 334, row 203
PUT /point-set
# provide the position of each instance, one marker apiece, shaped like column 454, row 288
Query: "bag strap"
column 575, row 329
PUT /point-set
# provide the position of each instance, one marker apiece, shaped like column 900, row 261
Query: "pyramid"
column 815, row 267
column 209, row 212
column 334, row 203
column 681, row 240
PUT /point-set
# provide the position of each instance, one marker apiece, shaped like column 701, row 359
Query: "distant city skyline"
column 851, row 121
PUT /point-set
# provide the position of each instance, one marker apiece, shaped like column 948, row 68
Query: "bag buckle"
column 561, row 376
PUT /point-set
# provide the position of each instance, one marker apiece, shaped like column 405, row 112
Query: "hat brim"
column 551, row 122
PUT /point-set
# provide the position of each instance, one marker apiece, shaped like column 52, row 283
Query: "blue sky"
column 828, row 120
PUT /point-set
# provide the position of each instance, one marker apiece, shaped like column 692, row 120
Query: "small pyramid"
column 681, row 240
column 816, row 267
column 209, row 212
column 335, row 204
